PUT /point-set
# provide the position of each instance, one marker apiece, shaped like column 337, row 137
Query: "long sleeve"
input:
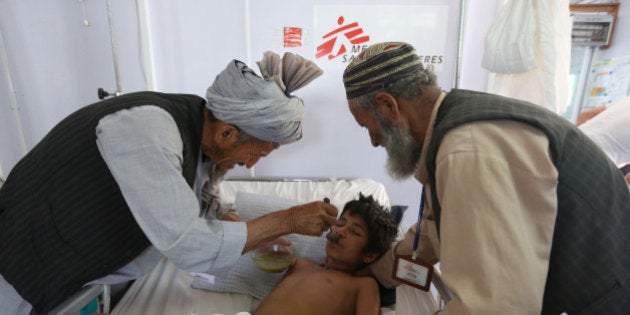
column 496, row 185
column 143, row 149
column 610, row 131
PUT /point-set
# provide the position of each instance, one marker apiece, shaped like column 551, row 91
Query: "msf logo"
column 344, row 39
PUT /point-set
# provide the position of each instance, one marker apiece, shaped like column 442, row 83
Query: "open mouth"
column 333, row 237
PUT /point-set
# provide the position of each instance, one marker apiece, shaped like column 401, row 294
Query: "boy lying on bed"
column 363, row 233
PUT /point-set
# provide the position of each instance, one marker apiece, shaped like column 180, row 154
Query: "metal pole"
column 463, row 7
column 15, row 108
column 144, row 24
column 113, row 41
column 580, row 93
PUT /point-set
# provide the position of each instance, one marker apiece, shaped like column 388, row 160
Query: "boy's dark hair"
column 381, row 225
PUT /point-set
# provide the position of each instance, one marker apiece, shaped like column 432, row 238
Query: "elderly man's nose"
column 252, row 161
column 374, row 141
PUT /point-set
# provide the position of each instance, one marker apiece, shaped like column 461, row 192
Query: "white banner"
column 341, row 32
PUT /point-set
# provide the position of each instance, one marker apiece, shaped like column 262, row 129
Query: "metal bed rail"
column 79, row 300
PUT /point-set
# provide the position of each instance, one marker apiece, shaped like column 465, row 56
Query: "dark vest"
column 589, row 268
column 63, row 219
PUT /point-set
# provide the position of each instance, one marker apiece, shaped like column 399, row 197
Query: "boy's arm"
column 368, row 299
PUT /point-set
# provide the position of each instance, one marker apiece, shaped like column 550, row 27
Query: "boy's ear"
column 369, row 258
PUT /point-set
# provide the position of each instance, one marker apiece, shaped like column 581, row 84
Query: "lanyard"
column 417, row 236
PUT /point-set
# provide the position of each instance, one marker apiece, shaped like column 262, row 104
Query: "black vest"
column 63, row 219
column 589, row 268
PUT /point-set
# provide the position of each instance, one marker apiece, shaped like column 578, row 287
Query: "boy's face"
column 353, row 237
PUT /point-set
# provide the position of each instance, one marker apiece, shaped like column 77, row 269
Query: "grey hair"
column 409, row 87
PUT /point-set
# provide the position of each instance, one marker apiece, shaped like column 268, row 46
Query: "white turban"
column 263, row 108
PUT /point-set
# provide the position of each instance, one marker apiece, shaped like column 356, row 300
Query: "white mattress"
column 167, row 290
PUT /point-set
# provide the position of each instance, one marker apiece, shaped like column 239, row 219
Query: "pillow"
column 245, row 277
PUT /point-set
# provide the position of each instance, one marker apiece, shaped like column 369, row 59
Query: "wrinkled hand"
column 230, row 216
column 312, row 218
column 588, row 114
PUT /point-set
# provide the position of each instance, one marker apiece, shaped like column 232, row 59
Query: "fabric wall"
column 57, row 63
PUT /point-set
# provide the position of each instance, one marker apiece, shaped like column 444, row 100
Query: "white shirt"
column 610, row 130
column 142, row 147
column 497, row 189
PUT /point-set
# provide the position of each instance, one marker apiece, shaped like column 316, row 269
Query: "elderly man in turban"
column 119, row 185
column 524, row 213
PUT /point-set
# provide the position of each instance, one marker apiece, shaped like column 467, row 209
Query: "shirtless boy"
column 363, row 233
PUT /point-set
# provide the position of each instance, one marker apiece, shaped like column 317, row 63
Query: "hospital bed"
column 168, row 290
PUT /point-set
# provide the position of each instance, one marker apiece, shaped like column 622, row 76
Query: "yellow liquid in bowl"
column 273, row 262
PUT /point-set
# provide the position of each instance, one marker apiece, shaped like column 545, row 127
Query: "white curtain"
column 539, row 75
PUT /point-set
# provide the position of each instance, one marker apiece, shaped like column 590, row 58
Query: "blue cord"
column 417, row 236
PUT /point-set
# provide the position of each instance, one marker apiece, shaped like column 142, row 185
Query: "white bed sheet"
column 167, row 290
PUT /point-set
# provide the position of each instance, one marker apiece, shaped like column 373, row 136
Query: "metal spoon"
column 331, row 236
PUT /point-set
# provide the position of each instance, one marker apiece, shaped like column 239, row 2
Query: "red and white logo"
column 343, row 40
column 292, row 37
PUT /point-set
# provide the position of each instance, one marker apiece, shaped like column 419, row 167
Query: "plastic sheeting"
column 546, row 84
column 510, row 41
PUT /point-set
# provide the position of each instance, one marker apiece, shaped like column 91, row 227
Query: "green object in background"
column 91, row 308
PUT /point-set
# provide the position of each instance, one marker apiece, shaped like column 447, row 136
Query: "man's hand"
column 308, row 219
column 231, row 216
column 312, row 218
column 588, row 114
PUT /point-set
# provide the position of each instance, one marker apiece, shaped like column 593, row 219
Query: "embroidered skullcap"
column 263, row 108
column 379, row 65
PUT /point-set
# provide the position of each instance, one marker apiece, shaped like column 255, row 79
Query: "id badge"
column 412, row 272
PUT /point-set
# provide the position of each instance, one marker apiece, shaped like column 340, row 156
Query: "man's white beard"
column 403, row 153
